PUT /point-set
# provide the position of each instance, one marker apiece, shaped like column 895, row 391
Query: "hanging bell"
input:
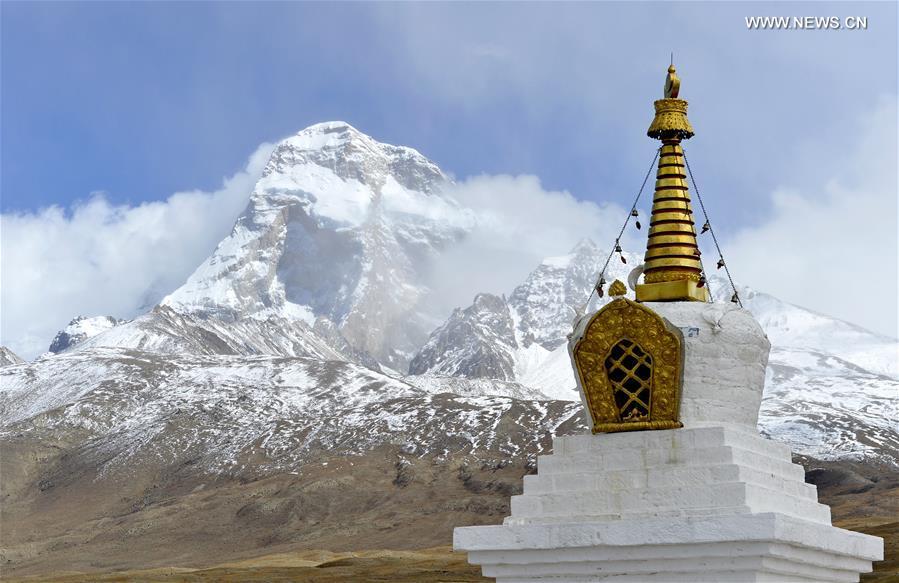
column 638, row 224
column 701, row 281
column 602, row 281
column 705, row 227
column 720, row 263
column 634, row 213
column 617, row 248
column 734, row 299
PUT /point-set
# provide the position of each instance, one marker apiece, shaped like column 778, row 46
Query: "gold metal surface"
column 672, row 83
column 661, row 183
column 684, row 229
column 671, row 250
column 680, row 204
column 670, row 120
column 682, row 239
column 630, row 364
column 672, row 215
column 687, row 262
column 686, row 289
column 670, row 275
column 617, row 288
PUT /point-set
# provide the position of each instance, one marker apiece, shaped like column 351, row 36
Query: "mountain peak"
column 351, row 155
column 327, row 134
column 586, row 244
column 339, row 226
column 584, row 251
column 329, row 126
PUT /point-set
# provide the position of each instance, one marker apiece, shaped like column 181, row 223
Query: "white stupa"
column 675, row 484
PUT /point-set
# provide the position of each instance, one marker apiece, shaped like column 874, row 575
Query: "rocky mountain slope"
column 8, row 357
column 522, row 337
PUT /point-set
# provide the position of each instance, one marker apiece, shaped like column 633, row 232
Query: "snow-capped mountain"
column 80, row 329
column 342, row 227
column 164, row 330
column 522, row 338
column 328, row 262
column 790, row 326
column 222, row 409
column 829, row 382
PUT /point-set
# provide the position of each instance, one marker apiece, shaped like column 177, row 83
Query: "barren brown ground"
column 377, row 519
column 423, row 566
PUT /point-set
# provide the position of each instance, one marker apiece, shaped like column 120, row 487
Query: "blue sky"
column 141, row 100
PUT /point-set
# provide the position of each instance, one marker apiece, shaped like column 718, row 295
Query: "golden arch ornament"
column 630, row 362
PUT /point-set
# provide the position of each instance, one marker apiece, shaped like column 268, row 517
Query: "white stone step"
column 670, row 439
column 668, row 476
column 627, row 516
column 756, row 548
column 603, row 502
column 630, row 459
column 752, row 576
column 604, row 570
column 672, row 551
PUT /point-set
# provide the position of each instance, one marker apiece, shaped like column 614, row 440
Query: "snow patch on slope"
column 80, row 329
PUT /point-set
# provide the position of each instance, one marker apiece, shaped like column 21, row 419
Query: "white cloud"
column 831, row 243
column 518, row 224
column 97, row 258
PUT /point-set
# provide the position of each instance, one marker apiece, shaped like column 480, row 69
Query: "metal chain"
column 605, row 266
column 712, row 231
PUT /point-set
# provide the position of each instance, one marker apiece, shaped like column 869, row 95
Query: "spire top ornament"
column 672, row 83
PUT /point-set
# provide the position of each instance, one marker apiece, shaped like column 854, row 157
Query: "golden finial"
column 617, row 288
column 672, row 83
column 671, row 266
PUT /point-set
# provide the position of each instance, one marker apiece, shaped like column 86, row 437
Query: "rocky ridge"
column 8, row 357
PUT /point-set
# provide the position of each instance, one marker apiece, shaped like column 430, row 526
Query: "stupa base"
column 696, row 504
column 722, row 549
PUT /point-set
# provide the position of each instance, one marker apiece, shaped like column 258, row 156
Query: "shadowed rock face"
column 80, row 329
column 8, row 357
column 477, row 342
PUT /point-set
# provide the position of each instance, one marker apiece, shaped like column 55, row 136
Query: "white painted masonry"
column 713, row 501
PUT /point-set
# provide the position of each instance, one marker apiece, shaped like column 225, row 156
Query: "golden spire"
column 671, row 269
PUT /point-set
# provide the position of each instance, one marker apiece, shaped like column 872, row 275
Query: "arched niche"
column 629, row 362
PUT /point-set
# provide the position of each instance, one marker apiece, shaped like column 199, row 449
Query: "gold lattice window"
column 629, row 368
column 629, row 362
